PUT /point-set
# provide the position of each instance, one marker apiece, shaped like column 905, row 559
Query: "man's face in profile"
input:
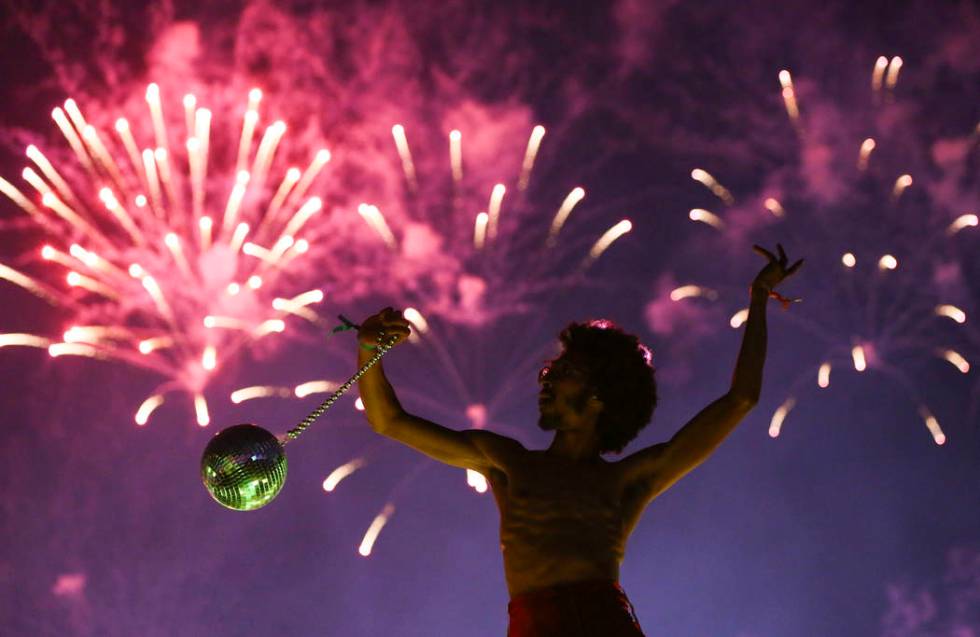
column 564, row 391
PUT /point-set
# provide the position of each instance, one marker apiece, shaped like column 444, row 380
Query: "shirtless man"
column 565, row 512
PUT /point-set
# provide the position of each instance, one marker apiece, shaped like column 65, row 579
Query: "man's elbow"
column 383, row 421
column 744, row 401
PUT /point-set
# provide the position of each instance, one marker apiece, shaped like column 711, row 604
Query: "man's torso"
column 561, row 521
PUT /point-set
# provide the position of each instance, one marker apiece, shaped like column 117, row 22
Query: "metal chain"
column 383, row 347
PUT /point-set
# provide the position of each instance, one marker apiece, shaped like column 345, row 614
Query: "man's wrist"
column 759, row 291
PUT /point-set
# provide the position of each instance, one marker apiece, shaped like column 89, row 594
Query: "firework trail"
column 161, row 267
column 887, row 291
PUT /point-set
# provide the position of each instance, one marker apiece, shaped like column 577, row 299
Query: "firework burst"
column 884, row 291
column 167, row 256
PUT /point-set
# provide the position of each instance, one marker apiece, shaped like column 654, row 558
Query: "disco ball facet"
column 244, row 467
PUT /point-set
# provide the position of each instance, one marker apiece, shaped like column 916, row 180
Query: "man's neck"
column 575, row 445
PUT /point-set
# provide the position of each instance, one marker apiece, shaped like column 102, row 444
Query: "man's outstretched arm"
column 656, row 468
column 468, row 449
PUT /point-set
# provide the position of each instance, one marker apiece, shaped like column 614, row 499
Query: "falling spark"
column 864, row 153
column 961, row 222
column 476, row 480
column 789, row 95
column 823, row 376
column 94, row 334
column 606, row 240
column 285, row 187
column 951, row 311
column 172, row 242
column 29, row 284
column 339, row 474
column 267, row 150
column 776, row 424
column 306, row 298
column 321, row 159
column 415, row 317
column 738, row 318
column 878, row 73
column 150, row 345
column 312, row 206
column 147, row 408
column 249, row 121
column 209, row 358
column 73, row 139
column 533, row 143
column 849, row 260
column 688, row 291
column 707, row 217
column 857, row 355
column 480, row 230
column 372, row 215
column 285, row 305
column 259, row 391
column 493, row 209
column 933, row 425
column 401, row 143
column 49, row 171
column 156, row 114
column 776, row 208
column 456, row 155
column 891, row 79
column 270, row 326
column 887, row 262
column 956, row 360
column 81, row 281
column 712, row 184
column 205, row 224
column 903, row 182
column 315, row 387
column 372, row 533
column 24, row 340
column 18, row 198
column 74, row 349
column 359, row 404
column 238, row 238
column 201, row 409
column 576, row 195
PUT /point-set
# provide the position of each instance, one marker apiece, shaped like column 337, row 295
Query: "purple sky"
column 852, row 522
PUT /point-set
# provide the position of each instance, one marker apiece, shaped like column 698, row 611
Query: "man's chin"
column 547, row 423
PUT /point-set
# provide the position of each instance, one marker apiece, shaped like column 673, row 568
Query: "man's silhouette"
column 565, row 512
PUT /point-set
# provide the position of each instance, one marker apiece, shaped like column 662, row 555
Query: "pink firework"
column 168, row 256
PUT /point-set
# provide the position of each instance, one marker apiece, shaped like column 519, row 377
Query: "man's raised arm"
column 469, row 449
column 657, row 467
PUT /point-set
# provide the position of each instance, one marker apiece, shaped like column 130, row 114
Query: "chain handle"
column 382, row 349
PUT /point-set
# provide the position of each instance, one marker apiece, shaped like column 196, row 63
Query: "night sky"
column 848, row 520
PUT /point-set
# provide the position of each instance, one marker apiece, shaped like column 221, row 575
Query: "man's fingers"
column 793, row 268
column 782, row 253
column 760, row 250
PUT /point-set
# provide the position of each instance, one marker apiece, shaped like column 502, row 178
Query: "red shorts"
column 596, row 608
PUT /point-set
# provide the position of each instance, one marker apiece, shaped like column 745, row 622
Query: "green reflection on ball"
column 244, row 467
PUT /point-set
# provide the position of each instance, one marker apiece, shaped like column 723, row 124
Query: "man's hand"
column 775, row 271
column 386, row 324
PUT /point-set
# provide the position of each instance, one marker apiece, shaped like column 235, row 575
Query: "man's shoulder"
column 497, row 447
